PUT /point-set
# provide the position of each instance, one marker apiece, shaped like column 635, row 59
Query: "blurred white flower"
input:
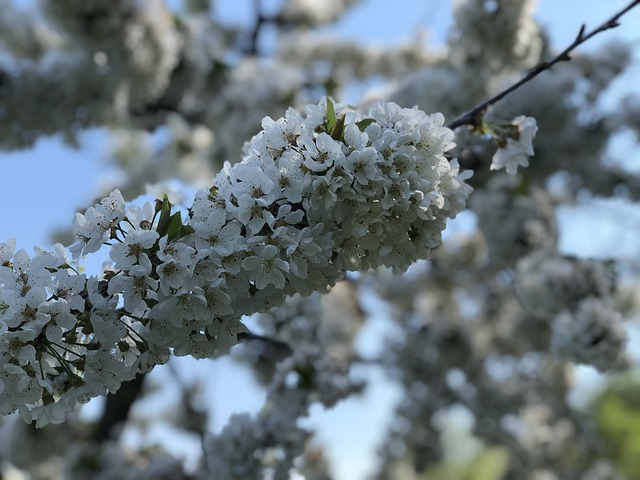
column 516, row 152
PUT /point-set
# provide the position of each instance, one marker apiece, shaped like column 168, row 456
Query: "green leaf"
column 363, row 124
column 165, row 217
column 186, row 230
column 175, row 225
column 337, row 132
column 331, row 116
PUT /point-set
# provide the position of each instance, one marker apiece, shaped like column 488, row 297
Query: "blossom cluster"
column 573, row 297
column 123, row 63
column 594, row 334
column 319, row 195
column 314, row 13
column 54, row 324
column 495, row 35
column 314, row 197
column 516, row 147
column 273, row 441
column 513, row 224
column 493, row 344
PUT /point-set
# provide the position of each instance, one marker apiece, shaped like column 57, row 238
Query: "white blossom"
column 132, row 252
column 268, row 267
column 517, row 151
column 93, row 228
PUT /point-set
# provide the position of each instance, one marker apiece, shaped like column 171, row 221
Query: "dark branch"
column 255, row 33
column 261, row 21
column 272, row 348
column 472, row 117
column 117, row 409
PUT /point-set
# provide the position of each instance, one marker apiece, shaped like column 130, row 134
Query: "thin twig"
column 472, row 117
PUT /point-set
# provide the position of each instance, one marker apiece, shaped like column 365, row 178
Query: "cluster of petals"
column 595, row 334
column 573, row 297
column 315, row 196
column 48, row 315
column 376, row 195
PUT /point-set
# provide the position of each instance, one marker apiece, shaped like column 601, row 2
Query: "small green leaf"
column 165, row 217
column 363, row 124
column 175, row 225
column 331, row 116
column 337, row 132
column 186, row 230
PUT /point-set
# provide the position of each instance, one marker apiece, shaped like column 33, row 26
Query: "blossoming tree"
column 492, row 324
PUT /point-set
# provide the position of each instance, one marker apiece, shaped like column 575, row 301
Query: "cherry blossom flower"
column 516, row 153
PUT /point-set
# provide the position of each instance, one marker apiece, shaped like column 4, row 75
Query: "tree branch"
column 271, row 348
column 472, row 117
column 117, row 408
column 261, row 21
